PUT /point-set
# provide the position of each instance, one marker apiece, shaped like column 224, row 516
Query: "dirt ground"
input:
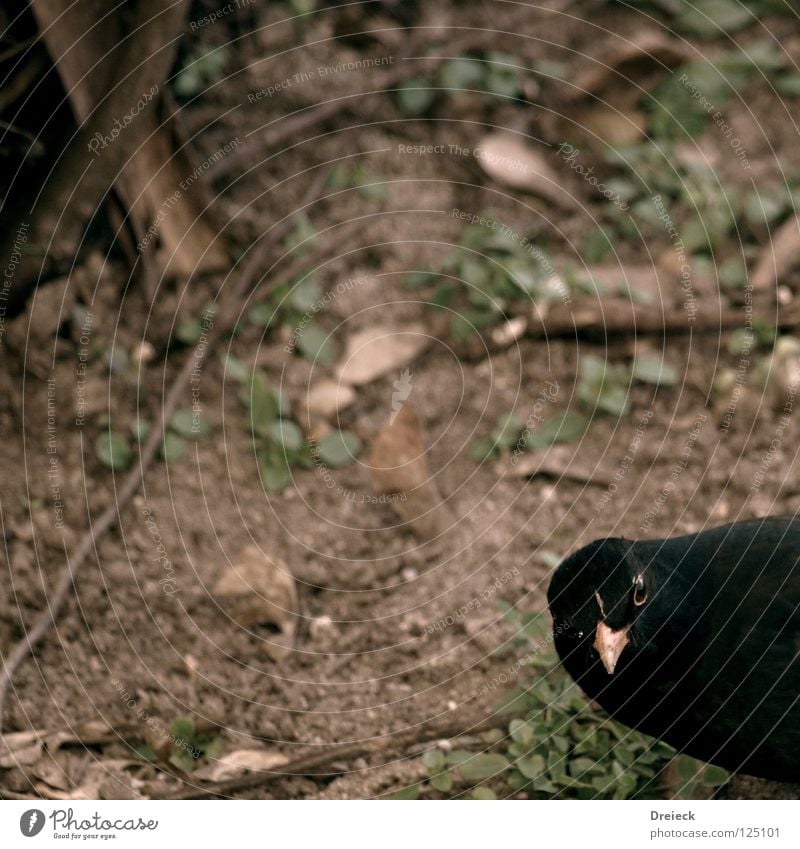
column 374, row 651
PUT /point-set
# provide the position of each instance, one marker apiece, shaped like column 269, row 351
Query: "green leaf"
column 262, row 314
column 566, row 427
column 145, row 753
column 714, row 776
column 339, row 448
column 442, row 781
column 481, row 767
column 502, row 78
column 236, row 369
column 652, row 369
column 419, row 279
column 189, row 424
column 788, row 85
column 733, row 273
column 765, row 207
column 687, row 768
column 275, row 475
column 113, row 451
column 407, row 793
column 532, row 766
column 461, row 73
column 596, row 245
column 286, row 434
column 507, row 432
column 710, row 18
column 173, row 447
column 434, row 760
column 414, row 96
column 183, row 728
column 189, row 332
column 521, row 731
column 483, row 793
column 257, row 394
column 305, row 294
column 315, row 344
column 140, row 429
column 183, row 760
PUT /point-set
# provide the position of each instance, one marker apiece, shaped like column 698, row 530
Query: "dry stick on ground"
column 308, row 765
column 227, row 316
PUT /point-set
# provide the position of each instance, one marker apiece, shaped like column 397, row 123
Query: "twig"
column 308, row 765
column 227, row 316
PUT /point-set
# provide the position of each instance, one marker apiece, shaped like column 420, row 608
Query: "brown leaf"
column 778, row 257
column 240, row 761
column 560, row 462
column 509, row 160
column 259, row 590
column 328, row 398
column 400, row 472
column 379, row 350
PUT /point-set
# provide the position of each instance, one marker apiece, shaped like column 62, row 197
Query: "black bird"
column 695, row 640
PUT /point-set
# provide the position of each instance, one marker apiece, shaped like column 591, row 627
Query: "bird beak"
column 609, row 644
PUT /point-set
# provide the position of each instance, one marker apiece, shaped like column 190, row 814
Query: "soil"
column 379, row 645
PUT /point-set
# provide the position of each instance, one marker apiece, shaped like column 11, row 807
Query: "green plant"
column 503, row 438
column 491, row 272
column 186, row 746
column 563, row 747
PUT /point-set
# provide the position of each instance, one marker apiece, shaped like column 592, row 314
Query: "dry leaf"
column 626, row 61
column 400, row 472
column 559, row 462
column 260, row 590
column 240, row 761
column 606, row 125
column 379, row 350
column 509, row 160
column 328, row 398
column 779, row 256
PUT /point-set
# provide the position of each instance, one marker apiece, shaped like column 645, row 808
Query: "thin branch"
column 110, row 516
column 310, row 764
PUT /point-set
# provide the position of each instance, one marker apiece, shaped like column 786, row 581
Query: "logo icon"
column 31, row 822
column 402, row 391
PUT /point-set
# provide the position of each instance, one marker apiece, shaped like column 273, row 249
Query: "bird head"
column 597, row 598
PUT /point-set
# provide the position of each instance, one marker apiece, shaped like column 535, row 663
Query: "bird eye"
column 639, row 591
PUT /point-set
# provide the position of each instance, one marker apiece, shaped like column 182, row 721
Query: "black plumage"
column 695, row 640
